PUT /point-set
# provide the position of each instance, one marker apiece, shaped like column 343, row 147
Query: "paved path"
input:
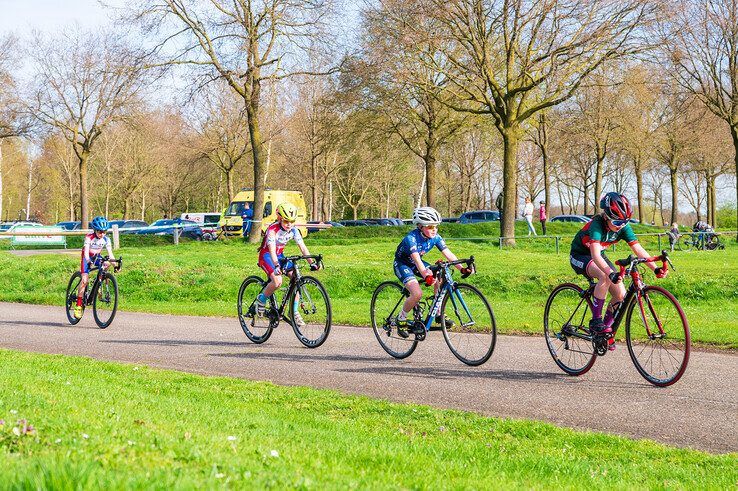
column 520, row 380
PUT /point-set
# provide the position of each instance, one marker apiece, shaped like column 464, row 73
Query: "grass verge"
column 99, row 425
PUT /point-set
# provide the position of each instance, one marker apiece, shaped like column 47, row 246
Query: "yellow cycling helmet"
column 287, row 211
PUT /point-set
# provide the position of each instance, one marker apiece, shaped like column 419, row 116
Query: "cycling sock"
column 402, row 316
column 610, row 312
column 597, row 304
column 79, row 301
column 261, row 298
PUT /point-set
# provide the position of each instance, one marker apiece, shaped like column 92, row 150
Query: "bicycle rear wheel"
column 257, row 328
column 472, row 335
column 386, row 303
column 105, row 303
column 314, row 307
column 71, row 298
column 658, row 336
column 564, row 320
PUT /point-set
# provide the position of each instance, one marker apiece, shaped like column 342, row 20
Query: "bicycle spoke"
column 470, row 329
column 566, row 314
column 313, row 309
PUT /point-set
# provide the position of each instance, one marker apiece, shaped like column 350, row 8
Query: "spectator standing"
column 528, row 214
column 542, row 216
column 673, row 235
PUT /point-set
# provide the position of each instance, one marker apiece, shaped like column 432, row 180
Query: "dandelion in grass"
column 274, row 454
column 85, row 436
column 231, row 438
column 13, row 411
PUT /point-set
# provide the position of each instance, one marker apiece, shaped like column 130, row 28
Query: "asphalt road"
column 520, row 380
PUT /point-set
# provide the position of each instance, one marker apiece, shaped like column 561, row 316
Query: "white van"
column 201, row 219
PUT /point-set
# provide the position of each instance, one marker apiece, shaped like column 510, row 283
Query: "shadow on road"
column 174, row 342
column 45, row 324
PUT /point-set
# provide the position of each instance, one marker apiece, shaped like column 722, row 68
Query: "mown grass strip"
column 99, row 425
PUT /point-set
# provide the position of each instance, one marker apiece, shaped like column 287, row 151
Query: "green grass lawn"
column 98, row 425
column 203, row 279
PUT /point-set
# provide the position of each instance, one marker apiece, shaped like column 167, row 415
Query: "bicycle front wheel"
column 658, row 336
column 311, row 302
column 685, row 243
column 105, row 303
column 257, row 328
column 71, row 299
column 386, row 303
column 565, row 327
column 468, row 324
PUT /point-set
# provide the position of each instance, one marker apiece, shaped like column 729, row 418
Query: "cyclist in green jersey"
column 587, row 257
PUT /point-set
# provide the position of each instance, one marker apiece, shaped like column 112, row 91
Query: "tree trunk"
column 734, row 134
column 546, row 180
column 639, row 187
column 600, row 155
column 85, row 211
column 430, row 174
column 674, row 191
column 126, row 207
column 30, row 188
column 586, row 196
column 314, row 186
column 229, row 183
column 708, row 198
column 511, row 141
column 252, row 114
column 356, row 211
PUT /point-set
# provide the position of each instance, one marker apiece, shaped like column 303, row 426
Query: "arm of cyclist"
column 639, row 251
column 86, row 250
column 465, row 271
column 314, row 266
column 595, row 250
column 424, row 272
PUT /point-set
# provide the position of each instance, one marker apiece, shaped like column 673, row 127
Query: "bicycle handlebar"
column 436, row 268
column 630, row 262
column 119, row 262
column 317, row 257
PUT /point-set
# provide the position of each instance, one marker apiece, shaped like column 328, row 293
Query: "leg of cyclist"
column 274, row 273
column 599, row 297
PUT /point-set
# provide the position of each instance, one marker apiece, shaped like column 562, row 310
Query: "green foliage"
column 726, row 218
column 111, row 426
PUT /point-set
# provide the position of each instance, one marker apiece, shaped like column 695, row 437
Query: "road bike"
column 656, row 328
column 102, row 294
column 701, row 241
column 468, row 323
column 304, row 295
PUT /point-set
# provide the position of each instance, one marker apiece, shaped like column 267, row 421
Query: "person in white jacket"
column 528, row 214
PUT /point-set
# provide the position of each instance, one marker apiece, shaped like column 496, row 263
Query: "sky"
column 22, row 16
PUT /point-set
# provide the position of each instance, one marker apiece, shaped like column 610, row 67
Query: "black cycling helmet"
column 616, row 206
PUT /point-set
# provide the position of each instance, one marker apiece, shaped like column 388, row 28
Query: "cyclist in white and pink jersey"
column 91, row 257
column 271, row 257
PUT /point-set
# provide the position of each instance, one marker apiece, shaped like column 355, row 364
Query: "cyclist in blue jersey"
column 409, row 262
column 587, row 257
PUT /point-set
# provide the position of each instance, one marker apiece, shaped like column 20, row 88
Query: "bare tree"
column 243, row 42
column 511, row 59
column 702, row 39
column 84, row 82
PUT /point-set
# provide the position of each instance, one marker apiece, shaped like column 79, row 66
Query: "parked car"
column 571, row 218
column 355, row 223
column 69, row 225
column 480, row 216
column 325, row 225
column 166, row 226
column 11, row 227
column 450, row 220
column 387, row 222
column 124, row 224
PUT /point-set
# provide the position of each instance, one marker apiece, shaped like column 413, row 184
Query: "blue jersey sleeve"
column 440, row 243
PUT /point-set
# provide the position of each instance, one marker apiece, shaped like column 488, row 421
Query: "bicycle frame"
column 628, row 267
column 98, row 280
column 293, row 282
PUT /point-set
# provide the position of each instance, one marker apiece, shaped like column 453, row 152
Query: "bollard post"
column 659, row 239
column 175, row 235
column 116, row 238
column 557, row 244
column 500, row 243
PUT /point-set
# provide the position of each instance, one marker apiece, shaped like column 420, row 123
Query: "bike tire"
column 247, row 319
column 312, row 338
column 71, row 298
column 481, row 337
column 669, row 311
column 685, row 243
column 107, row 282
column 575, row 356
column 387, row 294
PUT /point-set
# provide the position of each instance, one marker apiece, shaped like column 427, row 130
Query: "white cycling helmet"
column 425, row 215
